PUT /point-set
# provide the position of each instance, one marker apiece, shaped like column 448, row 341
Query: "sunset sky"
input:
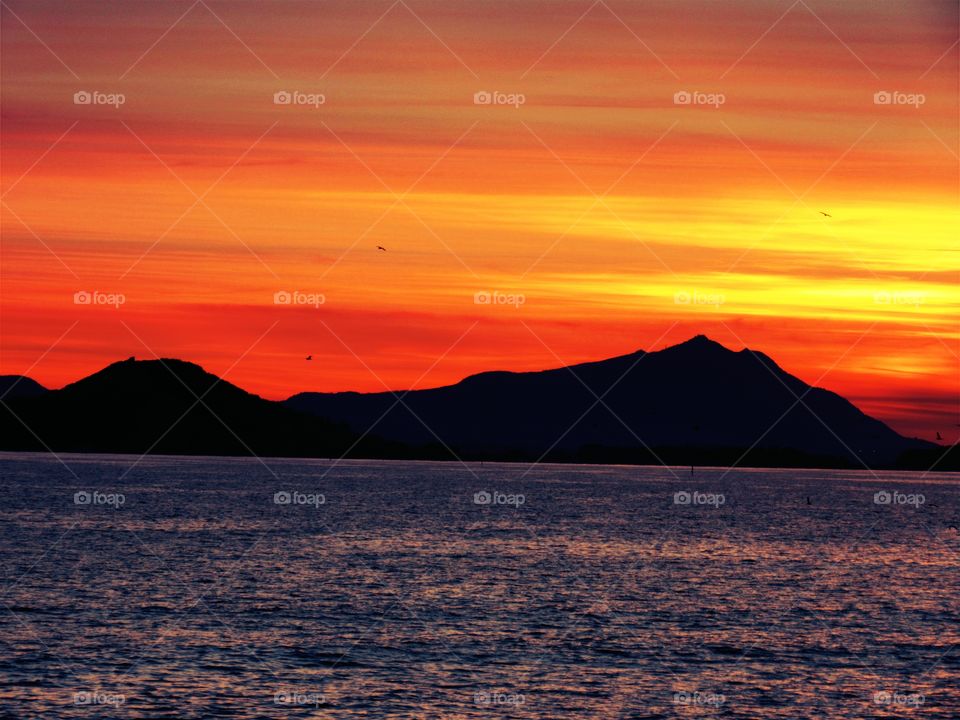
column 624, row 219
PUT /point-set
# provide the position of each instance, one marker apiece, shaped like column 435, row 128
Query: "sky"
column 553, row 182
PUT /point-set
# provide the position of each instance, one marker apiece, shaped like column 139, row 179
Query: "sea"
column 204, row 587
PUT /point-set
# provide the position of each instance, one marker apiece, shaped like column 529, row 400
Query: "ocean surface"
column 234, row 588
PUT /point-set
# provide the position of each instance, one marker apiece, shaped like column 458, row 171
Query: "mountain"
column 152, row 406
column 14, row 386
column 696, row 402
column 693, row 403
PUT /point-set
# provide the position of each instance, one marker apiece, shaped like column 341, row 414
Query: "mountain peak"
column 14, row 386
column 701, row 339
column 152, row 374
column 699, row 342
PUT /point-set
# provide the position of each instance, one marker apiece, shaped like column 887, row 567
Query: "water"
column 395, row 595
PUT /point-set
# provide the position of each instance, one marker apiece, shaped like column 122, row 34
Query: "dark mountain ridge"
column 167, row 407
column 14, row 386
column 692, row 403
column 695, row 400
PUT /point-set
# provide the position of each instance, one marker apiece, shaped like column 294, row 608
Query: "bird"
column 939, row 436
column 309, row 357
column 381, row 248
column 825, row 214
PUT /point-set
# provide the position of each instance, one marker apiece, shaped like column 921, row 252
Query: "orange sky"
column 624, row 220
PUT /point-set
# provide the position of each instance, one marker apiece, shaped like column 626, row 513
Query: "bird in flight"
column 825, row 214
column 382, row 248
column 939, row 436
column 309, row 357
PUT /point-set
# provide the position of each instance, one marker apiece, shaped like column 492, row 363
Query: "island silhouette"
column 696, row 403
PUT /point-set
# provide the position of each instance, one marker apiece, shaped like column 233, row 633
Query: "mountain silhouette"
column 696, row 402
column 166, row 407
column 693, row 403
column 14, row 386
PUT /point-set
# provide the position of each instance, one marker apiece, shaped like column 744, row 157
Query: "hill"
column 697, row 402
column 168, row 407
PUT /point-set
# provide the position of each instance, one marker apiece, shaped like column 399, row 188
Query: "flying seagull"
column 309, row 357
column 825, row 214
column 381, row 247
